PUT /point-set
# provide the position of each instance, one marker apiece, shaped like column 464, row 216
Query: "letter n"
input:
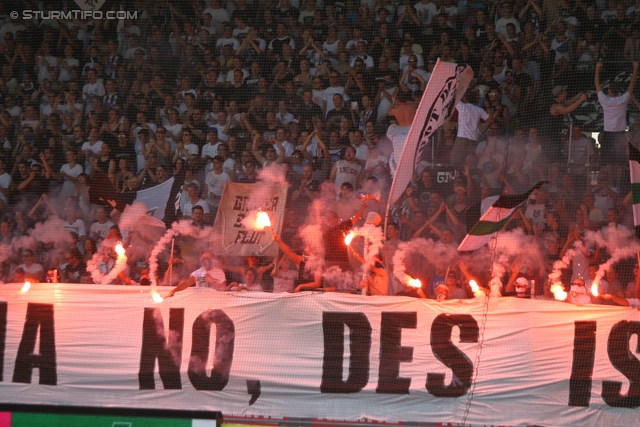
column 156, row 346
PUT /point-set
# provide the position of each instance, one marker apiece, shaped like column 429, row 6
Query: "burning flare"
column 156, row 297
column 474, row 286
column 262, row 220
column 120, row 250
column 594, row 289
column 558, row 291
column 414, row 283
column 25, row 287
column 348, row 238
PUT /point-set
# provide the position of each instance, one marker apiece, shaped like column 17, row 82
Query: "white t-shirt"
column 5, row 181
column 65, row 75
column 101, row 229
column 426, row 12
column 43, row 72
column 284, row 280
column 615, row 111
column 347, row 172
column 215, row 184
column 215, row 273
column 96, row 89
column 362, row 151
column 95, row 149
column 140, row 160
column 35, row 270
column 328, row 97
column 188, row 207
column 77, row 227
column 67, row 185
column 535, row 213
column 288, row 149
column 468, row 117
column 256, row 287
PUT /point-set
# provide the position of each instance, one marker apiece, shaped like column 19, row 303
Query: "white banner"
column 333, row 356
column 156, row 198
column 447, row 84
column 237, row 210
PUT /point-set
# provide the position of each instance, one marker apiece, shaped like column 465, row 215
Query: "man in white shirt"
column 195, row 200
column 506, row 17
column 5, row 183
column 361, row 52
column 73, row 224
column 614, row 105
column 334, row 88
column 93, row 86
column 362, row 149
column 218, row 15
column 210, row 150
column 469, row 116
column 69, row 173
column 100, row 229
column 426, row 10
column 207, row 276
column 214, row 185
column 281, row 136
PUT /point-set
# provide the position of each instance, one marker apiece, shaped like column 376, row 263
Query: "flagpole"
column 173, row 241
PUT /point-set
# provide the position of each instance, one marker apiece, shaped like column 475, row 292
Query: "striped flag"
column 447, row 84
column 634, row 171
column 497, row 211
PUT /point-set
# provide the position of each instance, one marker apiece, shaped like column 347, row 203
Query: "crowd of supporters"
column 215, row 92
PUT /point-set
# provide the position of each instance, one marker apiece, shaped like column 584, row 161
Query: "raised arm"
column 287, row 251
column 596, row 78
column 632, row 84
column 254, row 149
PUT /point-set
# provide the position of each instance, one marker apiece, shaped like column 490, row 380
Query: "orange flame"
column 558, row 291
column 348, row 238
column 414, row 283
column 594, row 289
column 120, row 249
column 262, row 220
column 156, row 297
column 474, row 286
column 25, row 287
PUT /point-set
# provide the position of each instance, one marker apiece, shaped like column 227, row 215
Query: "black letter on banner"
column 584, row 354
column 359, row 344
column 624, row 361
column 223, row 356
column 155, row 346
column 450, row 355
column 3, row 335
column 391, row 353
column 38, row 316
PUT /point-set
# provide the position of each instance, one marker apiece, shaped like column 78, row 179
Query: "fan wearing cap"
column 614, row 107
column 522, row 287
column 207, row 276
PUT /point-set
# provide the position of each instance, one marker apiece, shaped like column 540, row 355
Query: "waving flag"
column 497, row 211
column 446, row 86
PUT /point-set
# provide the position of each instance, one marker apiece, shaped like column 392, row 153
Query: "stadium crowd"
column 212, row 92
